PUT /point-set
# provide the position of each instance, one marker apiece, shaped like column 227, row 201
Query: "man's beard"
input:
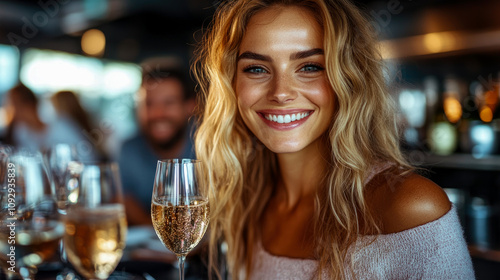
column 171, row 142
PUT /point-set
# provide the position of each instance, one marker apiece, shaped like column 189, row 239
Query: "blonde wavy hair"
column 242, row 172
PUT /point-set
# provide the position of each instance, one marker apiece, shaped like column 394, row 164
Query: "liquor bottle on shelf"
column 477, row 133
column 442, row 133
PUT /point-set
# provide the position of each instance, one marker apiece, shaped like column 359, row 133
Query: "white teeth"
column 286, row 118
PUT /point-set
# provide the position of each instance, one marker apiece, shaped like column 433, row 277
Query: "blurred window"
column 50, row 71
column 106, row 89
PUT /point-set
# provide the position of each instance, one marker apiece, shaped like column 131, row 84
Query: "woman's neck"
column 301, row 173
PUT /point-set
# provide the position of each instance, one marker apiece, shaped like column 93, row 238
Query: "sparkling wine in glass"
column 179, row 209
column 96, row 225
column 30, row 226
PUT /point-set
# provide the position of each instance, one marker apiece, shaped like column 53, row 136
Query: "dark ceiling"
column 136, row 30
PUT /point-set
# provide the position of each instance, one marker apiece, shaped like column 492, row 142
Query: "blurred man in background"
column 165, row 104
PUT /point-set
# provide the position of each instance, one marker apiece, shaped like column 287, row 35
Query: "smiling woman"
column 298, row 134
column 280, row 75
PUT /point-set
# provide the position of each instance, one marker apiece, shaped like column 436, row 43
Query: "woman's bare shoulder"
column 404, row 202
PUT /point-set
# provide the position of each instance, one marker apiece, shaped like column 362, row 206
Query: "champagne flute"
column 65, row 167
column 96, row 226
column 180, row 209
column 30, row 226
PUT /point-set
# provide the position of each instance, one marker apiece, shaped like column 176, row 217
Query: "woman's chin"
column 284, row 148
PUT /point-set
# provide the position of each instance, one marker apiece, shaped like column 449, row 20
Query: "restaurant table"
column 144, row 258
column 141, row 270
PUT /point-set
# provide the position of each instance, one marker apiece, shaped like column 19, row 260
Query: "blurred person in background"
column 25, row 129
column 164, row 106
column 67, row 106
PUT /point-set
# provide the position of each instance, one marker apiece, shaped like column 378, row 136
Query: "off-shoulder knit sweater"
column 435, row 250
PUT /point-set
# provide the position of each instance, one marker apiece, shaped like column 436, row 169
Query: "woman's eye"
column 311, row 68
column 255, row 70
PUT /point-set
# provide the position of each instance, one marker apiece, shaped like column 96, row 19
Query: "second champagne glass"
column 96, row 225
column 179, row 208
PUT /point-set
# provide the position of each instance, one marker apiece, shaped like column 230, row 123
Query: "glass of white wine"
column 179, row 208
column 96, row 226
column 30, row 225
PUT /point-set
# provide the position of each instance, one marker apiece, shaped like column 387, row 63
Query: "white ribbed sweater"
column 436, row 250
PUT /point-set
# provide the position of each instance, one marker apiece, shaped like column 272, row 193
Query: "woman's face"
column 284, row 96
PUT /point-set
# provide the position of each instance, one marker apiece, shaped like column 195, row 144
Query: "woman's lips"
column 284, row 120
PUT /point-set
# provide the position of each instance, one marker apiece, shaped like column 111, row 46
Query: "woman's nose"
column 282, row 90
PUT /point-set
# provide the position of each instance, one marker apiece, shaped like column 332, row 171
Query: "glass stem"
column 181, row 259
column 63, row 256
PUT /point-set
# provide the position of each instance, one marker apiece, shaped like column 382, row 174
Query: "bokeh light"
column 452, row 109
column 93, row 42
column 486, row 114
column 439, row 42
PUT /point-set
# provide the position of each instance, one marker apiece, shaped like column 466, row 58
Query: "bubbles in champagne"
column 180, row 227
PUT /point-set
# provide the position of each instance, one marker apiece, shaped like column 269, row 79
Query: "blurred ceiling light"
column 93, row 42
column 439, row 42
column 452, row 109
column 486, row 114
column 433, row 42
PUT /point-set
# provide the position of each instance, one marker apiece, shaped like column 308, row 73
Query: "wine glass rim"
column 179, row 160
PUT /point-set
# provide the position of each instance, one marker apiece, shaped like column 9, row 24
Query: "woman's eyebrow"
column 255, row 56
column 293, row 56
column 304, row 54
